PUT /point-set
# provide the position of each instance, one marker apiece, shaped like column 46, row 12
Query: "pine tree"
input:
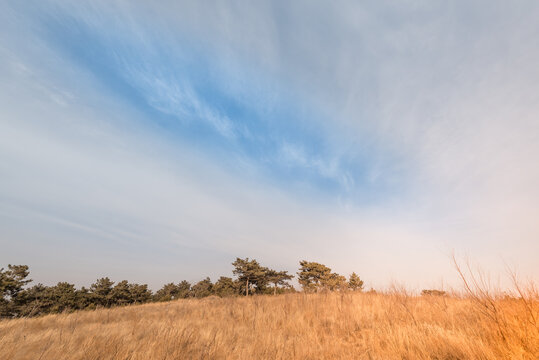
column 225, row 286
column 121, row 294
column 84, row 298
column 184, row 289
column 278, row 278
column 335, row 282
column 202, row 288
column 313, row 276
column 250, row 273
column 34, row 301
column 355, row 283
column 167, row 292
column 63, row 297
column 12, row 282
column 101, row 292
column 139, row 294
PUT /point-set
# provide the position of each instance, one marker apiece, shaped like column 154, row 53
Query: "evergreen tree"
column 184, row 289
column 225, row 286
column 250, row 273
column 313, row 276
column 168, row 292
column 334, row 282
column 202, row 288
column 121, row 294
column 355, row 283
column 101, row 292
column 251, row 278
column 278, row 278
column 84, row 298
column 40, row 299
column 139, row 294
column 63, row 297
column 12, row 282
column 34, row 301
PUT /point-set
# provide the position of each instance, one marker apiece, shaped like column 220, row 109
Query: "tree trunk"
column 247, row 288
column 275, row 290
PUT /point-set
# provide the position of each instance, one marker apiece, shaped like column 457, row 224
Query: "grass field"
column 335, row 325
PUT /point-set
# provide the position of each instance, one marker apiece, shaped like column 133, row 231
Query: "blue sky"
column 156, row 143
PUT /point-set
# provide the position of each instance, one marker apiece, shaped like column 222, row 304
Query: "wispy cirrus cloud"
column 189, row 90
column 189, row 130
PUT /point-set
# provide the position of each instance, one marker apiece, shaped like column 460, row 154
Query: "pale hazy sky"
column 157, row 141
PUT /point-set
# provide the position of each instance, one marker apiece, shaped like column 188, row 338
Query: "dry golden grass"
column 294, row 326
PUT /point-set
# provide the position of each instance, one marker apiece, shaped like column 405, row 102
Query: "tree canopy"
column 355, row 283
column 313, row 276
column 250, row 273
column 250, row 278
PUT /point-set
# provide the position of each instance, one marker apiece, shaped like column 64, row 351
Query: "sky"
column 158, row 141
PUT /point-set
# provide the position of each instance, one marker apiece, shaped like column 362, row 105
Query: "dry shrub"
column 514, row 315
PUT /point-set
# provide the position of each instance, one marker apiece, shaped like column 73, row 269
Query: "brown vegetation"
column 329, row 325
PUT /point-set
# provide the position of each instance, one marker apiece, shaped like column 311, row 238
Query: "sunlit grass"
column 338, row 325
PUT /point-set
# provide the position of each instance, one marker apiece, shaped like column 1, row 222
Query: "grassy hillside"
column 334, row 325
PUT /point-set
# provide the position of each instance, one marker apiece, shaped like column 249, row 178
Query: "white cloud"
column 446, row 94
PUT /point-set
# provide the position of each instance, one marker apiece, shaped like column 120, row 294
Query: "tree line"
column 20, row 300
